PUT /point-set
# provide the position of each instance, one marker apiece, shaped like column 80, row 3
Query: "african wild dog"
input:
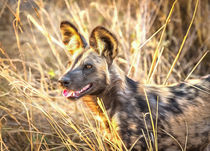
column 183, row 109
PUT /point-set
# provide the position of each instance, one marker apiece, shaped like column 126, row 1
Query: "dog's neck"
column 114, row 89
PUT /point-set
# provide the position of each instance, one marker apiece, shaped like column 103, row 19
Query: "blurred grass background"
column 34, row 115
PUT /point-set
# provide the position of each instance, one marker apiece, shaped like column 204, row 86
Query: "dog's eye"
column 88, row 66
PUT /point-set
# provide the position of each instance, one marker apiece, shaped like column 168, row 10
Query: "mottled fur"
column 183, row 109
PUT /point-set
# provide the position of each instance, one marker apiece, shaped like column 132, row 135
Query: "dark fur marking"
column 132, row 84
column 208, row 79
column 67, row 33
column 124, row 131
column 191, row 93
column 66, row 41
column 77, row 59
column 84, row 42
column 108, row 45
column 178, row 90
column 178, row 93
column 196, row 134
column 63, row 23
column 142, row 104
column 173, row 106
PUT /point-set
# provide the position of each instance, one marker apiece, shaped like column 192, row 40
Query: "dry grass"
column 155, row 44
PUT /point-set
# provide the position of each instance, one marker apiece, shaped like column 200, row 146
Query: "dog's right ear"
column 71, row 38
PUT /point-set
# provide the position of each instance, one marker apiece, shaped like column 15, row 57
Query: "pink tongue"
column 71, row 93
column 65, row 93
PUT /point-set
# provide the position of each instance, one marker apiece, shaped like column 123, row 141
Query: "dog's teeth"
column 86, row 87
column 71, row 93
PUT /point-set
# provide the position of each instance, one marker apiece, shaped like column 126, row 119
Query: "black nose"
column 64, row 81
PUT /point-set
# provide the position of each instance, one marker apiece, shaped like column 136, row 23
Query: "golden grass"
column 34, row 115
column 182, row 44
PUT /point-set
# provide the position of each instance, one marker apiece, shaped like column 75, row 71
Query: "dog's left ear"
column 104, row 43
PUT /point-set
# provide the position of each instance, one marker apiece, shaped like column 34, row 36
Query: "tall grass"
column 34, row 115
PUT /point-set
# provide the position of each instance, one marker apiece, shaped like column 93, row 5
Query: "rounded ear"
column 71, row 38
column 104, row 43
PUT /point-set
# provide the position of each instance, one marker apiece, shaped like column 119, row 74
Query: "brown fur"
column 183, row 109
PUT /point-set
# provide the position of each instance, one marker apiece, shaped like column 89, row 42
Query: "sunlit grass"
column 34, row 115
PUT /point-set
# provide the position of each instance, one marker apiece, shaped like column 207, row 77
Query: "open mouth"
column 76, row 94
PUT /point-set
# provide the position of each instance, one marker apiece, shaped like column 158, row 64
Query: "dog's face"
column 89, row 71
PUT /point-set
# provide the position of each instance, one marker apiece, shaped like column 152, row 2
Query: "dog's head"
column 89, row 70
